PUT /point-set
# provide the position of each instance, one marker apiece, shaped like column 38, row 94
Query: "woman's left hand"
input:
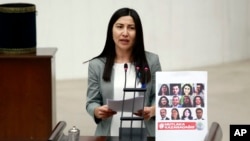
column 147, row 112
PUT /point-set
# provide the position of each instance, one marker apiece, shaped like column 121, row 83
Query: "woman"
column 164, row 90
column 186, row 91
column 124, row 44
column 187, row 114
column 175, row 114
column 198, row 101
column 187, row 102
column 163, row 102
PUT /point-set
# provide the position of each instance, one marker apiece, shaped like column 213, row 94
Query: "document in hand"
column 116, row 105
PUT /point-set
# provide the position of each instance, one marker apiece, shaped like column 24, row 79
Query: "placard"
column 181, row 106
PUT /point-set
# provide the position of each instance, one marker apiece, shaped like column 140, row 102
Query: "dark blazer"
column 166, row 118
column 99, row 90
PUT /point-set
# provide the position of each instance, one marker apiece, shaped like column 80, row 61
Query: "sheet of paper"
column 116, row 105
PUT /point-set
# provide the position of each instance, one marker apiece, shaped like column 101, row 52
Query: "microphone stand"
column 125, row 70
column 145, row 86
column 132, row 115
column 138, row 134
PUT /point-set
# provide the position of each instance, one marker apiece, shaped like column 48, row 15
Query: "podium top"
column 107, row 138
column 40, row 52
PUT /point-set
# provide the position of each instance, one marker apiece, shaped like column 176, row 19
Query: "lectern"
column 27, row 88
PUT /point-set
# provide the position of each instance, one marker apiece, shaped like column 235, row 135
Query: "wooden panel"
column 26, row 97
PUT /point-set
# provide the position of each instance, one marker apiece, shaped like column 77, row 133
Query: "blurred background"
column 185, row 34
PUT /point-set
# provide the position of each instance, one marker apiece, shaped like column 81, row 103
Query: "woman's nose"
column 125, row 32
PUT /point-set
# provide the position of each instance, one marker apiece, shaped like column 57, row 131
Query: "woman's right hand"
column 103, row 112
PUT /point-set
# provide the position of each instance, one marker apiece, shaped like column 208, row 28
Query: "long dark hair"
column 189, row 104
column 178, row 114
column 161, row 105
column 191, row 89
column 138, row 53
column 202, row 101
column 190, row 114
column 167, row 92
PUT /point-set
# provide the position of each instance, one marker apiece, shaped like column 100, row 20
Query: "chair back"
column 214, row 133
column 57, row 133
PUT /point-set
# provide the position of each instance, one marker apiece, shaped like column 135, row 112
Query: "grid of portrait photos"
column 181, row 103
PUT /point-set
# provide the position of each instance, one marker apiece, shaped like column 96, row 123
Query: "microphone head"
column 125, row 66
column 137, row 68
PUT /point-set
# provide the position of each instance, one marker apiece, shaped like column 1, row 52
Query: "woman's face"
column 198, row 100
column 164, row 101
column 187, row 90
column 186, row 113
column 124, row 33
column 164, row 89
column 174, row 113
column 186, row 100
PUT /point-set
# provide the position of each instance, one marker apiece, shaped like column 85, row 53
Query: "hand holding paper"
column 103, row 112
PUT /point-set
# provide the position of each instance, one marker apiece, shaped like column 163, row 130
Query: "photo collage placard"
column 181, row 105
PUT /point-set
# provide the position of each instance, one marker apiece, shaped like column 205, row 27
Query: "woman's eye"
column 118, row 26
column 132, row 28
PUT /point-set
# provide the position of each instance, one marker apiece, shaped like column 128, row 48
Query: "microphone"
column 146, row 72
column 144, row 85
column 125, row 67
column 136, row 73
column 125, row 70
column 132, row 114
column 134, row 133
column 125, row 81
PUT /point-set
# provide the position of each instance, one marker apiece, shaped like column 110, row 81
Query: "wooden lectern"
column 27, row 88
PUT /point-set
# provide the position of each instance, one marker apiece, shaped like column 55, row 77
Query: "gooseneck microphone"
column 137, row 68
column 146, row 72
column 125, row 81
column 145, row 86
column 125, row 70
column 135, row 134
